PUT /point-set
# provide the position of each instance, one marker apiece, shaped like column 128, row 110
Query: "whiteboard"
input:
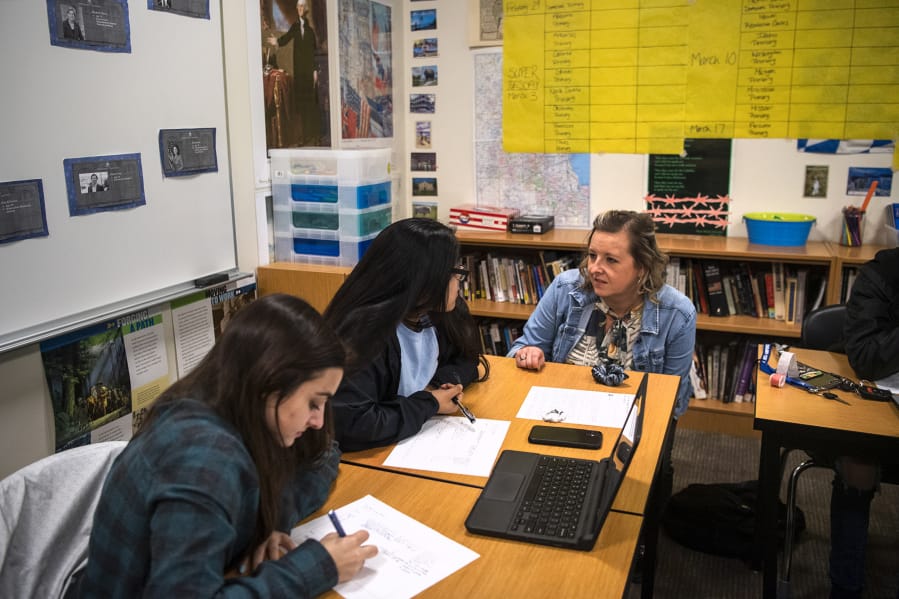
column 60, row 103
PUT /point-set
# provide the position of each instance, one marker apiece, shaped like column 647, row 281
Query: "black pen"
column 333, row 516
column 462, row 407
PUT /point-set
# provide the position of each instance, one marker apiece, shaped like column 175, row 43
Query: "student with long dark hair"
column 230, row 457
column 411, row 341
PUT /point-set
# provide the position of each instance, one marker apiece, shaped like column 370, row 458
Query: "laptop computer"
column 556, row 501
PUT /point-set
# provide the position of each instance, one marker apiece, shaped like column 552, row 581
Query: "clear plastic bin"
column 355, row 197
column 322, row 247
column 328, row 218
column 330, row 167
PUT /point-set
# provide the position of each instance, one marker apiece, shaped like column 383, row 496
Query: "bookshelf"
column 317, row 284
column 710, row 414
column 684, row 246
column 848, row 257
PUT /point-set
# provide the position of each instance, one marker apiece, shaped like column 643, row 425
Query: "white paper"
column 194, row 334
column 452, row 444
column 411, row 556
column 595, row 408
column 890, row 382
column 145, row 349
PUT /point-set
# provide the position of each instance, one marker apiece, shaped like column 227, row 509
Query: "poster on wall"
column 22, row 211
column 199, row 319
column 187, row 151
column 188, row 8
column 103, row 183
column 103, row 378
column 366, row 69
column 100, row 25
column 485, row 22
column 691, row 193
column 295, row 73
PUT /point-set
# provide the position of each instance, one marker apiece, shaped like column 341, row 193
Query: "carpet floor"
column 701, row 457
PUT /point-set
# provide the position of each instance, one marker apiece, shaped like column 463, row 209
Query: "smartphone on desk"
column 565, row 437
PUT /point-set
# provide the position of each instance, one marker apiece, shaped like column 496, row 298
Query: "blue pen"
column 333, row 516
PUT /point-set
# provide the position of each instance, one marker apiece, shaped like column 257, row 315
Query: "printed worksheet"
column 411, row 556
column 596, row 408
column 452, row 444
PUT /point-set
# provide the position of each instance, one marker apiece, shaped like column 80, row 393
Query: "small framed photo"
column 422, row 76
column 861, row 177
column 422, row 103
column 187, row 151
column 423, row 134
column 485, row 22
column 422, row 48
column 423, row 161
column 424, row 186
column 424, row 20
column 22, row 211
column 424, row 209
column 104, row 183
column 100, row 25
column 188, row 8
column 815, row 182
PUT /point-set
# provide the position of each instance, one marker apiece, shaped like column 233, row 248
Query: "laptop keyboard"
column 553, row 500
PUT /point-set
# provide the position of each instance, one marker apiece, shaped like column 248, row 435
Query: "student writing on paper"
column 615, row 309
column 230, row 457
column 872, row 346
column 412, row 343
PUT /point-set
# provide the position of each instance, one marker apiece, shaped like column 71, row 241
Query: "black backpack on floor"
column 720, row 518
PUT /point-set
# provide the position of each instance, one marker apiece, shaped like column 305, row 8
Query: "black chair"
column 823, row 328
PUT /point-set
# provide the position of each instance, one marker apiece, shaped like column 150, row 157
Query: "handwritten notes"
column 452, row 444
column 638, row 76
column 411, row 556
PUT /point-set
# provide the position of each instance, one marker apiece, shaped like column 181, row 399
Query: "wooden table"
column 504, row 568
column 501, row 396
column 791, row 418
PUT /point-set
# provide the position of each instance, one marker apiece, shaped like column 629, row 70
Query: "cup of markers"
column 851, row 233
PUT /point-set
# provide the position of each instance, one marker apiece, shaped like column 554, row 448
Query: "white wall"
column 765, row 176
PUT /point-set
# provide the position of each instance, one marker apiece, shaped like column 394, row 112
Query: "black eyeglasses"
column 461, row 273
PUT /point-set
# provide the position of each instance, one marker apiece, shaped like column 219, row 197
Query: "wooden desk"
column 501, row 396
column 504, row 568
column 791, row 418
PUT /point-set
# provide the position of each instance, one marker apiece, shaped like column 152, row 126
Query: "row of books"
column 763, row 290
column 497, row 336
column 519, row 280
column 721, row 371
column 725, row 371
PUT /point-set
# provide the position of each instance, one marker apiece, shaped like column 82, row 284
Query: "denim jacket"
column 665, row 344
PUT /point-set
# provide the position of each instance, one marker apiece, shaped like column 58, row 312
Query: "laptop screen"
column 633, row 428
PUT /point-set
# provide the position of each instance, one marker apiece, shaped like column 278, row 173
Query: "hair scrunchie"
column 610, row 374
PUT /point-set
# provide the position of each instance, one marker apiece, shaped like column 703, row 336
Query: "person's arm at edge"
column 871, row 345
column 541, row 326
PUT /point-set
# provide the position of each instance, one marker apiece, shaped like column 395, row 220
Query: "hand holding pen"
column 347, row 551
column 459, row 403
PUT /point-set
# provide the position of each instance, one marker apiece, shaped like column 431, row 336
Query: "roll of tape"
column 786, row 365
column 778, row 379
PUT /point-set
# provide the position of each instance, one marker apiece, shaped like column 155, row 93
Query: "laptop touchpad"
column 504, row 486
